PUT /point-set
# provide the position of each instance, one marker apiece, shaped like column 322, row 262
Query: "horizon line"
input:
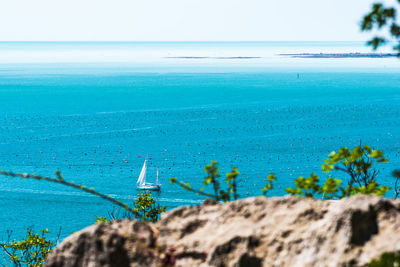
column 133, row 41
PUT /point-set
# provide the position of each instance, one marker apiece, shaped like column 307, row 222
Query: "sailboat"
column 142, row 184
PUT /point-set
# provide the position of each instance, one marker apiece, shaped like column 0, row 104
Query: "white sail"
column 142, row 176
column 142, row 184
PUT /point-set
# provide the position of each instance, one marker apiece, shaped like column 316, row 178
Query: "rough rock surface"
column 117, row 244
column 250, row 232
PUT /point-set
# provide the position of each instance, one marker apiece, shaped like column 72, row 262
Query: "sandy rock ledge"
column 284, row 231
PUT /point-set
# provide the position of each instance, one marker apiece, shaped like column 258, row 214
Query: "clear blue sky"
column 182, row 20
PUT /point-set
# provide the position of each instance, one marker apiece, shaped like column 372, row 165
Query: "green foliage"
column 212, row 178
column 373, row 188
column 144, row 208
column 269, row 185
column 101, row 219
column 307, row 187
column 357, row 163
column 212, row 171
column 231, row 182
column 387, row 259
column 381, row 17
column 30, row 251
column 60, row 180
column 147, row 209
column 331, row 188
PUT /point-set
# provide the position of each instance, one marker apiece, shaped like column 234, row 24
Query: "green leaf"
column 327, row 167
column 376, row 154
column 357, row 153
column 383, row 160
column 271, row 177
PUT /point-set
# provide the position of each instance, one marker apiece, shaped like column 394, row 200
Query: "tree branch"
column 60, row 180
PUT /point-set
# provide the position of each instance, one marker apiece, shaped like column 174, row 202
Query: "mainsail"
column 142, row 184
column 142, row 177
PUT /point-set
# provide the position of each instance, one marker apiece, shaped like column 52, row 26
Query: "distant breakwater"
column 341, row 55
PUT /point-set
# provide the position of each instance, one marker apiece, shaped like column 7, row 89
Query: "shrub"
column 30, row 251
column 357, row 163
column 144, row 208
column 387, row 259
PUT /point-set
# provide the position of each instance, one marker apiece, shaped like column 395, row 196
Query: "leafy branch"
column 212, row 178
column 30, row 251
column 379, row 17
column 60, row 180
column 357, row 163
column 269, row 185
column 147, row 209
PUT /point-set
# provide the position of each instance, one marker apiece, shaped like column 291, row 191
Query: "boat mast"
column 142, row 176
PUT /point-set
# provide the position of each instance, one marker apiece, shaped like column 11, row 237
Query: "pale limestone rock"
column 281, row 231
column 121, row 243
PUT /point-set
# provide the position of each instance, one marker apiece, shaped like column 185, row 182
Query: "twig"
column 60, row 180
column 184, row 186
column 58, row 236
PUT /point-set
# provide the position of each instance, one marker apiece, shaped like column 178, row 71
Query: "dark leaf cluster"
column 387, row 259
column 381, row 17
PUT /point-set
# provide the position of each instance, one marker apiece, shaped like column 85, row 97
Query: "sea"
column 96, row 110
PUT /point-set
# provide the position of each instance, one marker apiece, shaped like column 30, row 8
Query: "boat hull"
column 151, row 187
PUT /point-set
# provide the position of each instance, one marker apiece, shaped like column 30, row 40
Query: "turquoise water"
column 94, row 114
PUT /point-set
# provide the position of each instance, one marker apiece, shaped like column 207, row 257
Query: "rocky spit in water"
column 279, row 231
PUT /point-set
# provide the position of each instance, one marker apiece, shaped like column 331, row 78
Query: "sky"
column 182, row 20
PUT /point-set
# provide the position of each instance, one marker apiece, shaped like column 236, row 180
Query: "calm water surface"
column 95, row 111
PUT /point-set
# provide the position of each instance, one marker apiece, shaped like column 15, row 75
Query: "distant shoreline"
column 341, row 55
column 302, row 55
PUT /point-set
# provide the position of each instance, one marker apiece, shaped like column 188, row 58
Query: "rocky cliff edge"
column 281, row 231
